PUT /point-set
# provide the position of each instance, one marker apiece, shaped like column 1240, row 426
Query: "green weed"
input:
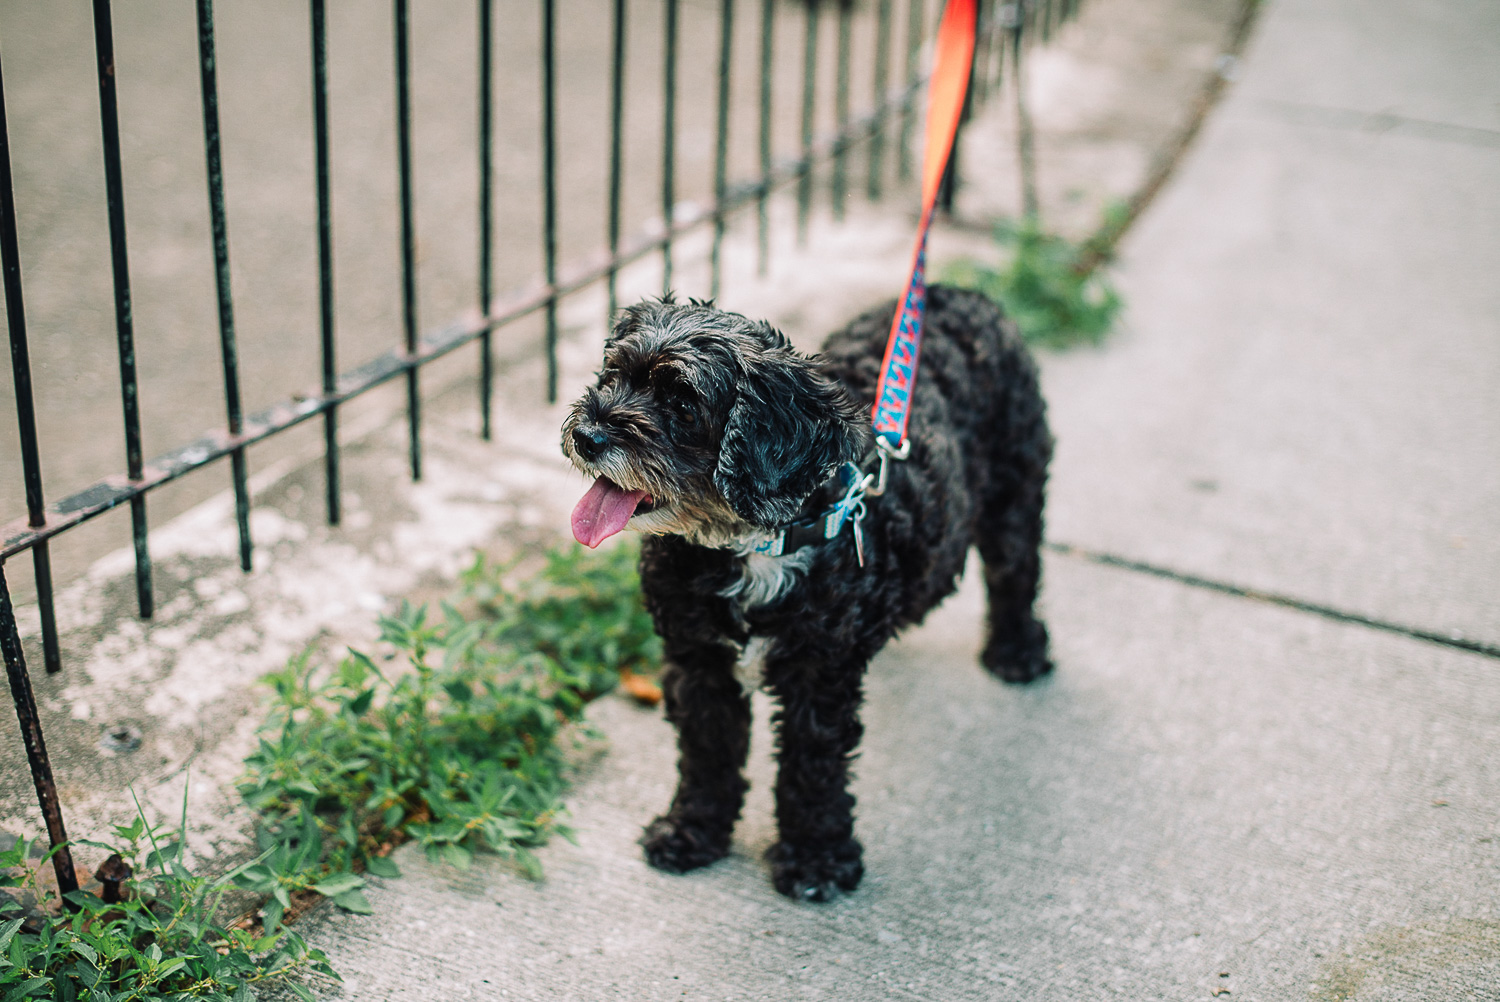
column 460, row 747
column 164, row 940
column 582, row 611
column 1052, row 299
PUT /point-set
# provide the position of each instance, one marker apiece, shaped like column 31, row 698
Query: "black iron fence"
column 882, row 130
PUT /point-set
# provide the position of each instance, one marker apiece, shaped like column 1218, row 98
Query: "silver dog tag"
column 859, row 542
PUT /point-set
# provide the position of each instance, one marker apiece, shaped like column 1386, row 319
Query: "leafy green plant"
column 165, row 939
column 295, row 861
column 1044, row 287
column 581, row 610
column 460, row 747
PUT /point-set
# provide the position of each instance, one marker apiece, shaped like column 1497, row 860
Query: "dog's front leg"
column 712, row 715
column 817, row 730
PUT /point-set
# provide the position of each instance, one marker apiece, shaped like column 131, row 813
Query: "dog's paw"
column 1018, row 656
column 815, row 874
column 679, row 846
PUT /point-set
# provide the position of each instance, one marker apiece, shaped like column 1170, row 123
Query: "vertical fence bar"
column 31, row 735
column 1005, row 13
column 809, row 92
column 486, row 240
column 616, row 160
column 668, row 143
column 325, row 257
column 841, row 109
column 721, row 142
column 979, row 79
column 114, row 186
column 549, row 184
column 949, row 187
column 41, row 565
column 999, row 31
column 882, row 85
column 408, row 233
column 1010, row 16
column 208, row 76
column 1000, row 21
column 914, row 28
column 20, row 367
column 1025, row 142
column 763, row 217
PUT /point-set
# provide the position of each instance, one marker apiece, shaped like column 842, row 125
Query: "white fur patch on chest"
column 764, row 579
column 750, row 669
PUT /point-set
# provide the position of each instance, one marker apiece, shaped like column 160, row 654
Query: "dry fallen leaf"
column 1440, row 803
column 640, row 688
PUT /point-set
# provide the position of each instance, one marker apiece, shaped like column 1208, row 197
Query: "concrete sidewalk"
column 1212, row 794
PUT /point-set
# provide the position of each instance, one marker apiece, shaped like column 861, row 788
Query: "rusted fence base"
column 31, row 734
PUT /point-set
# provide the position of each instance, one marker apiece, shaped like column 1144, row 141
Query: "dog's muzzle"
column 590, row 442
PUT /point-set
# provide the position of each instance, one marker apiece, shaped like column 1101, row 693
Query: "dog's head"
column 705, row 424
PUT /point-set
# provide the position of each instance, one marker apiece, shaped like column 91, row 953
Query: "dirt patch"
column 1447, row 960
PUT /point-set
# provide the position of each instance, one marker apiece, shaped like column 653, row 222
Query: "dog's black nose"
column 590, row 442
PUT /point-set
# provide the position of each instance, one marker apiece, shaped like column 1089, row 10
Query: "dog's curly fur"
column 734, row 435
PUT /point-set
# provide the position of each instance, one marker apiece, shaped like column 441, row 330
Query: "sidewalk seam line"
column 1461, row 643
column 1378, row 123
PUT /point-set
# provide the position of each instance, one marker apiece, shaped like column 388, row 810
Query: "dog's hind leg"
column 1008, row 534
column 817, row 730
column 712, row 715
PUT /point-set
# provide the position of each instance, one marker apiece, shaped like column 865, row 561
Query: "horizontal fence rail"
column 888, row 121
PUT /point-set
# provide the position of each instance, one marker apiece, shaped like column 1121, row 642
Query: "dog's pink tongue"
column 603, row 511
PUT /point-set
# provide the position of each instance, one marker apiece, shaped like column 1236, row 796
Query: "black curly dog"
column 709, row 433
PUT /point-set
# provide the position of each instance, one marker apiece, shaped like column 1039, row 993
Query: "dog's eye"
column 607, row 377
column 680, row 400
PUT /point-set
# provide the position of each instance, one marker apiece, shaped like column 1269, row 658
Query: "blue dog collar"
column 848, row 510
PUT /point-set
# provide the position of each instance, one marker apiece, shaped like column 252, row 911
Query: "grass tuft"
column 166, row 937
column 461, row 747
column 1054, row 301
column 458, row 741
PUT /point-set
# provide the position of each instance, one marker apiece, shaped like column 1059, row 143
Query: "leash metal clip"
column 859, row 537
column 875, row 483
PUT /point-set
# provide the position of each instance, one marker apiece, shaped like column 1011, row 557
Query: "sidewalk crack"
column 1454, row 639
column 1298, row 113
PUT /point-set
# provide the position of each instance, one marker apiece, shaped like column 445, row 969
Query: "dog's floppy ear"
column 789, row 429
